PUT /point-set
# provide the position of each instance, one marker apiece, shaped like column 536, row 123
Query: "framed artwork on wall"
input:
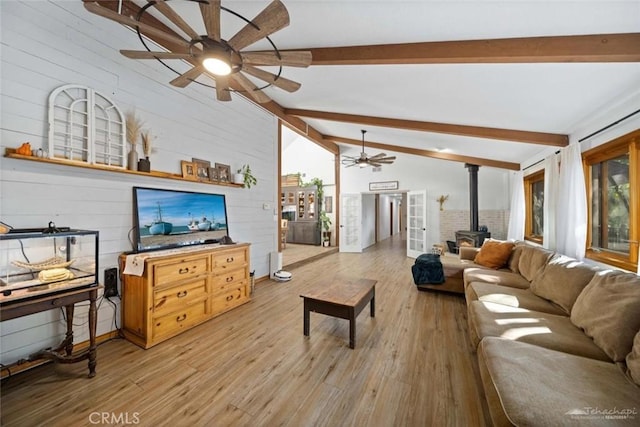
column 328, row 204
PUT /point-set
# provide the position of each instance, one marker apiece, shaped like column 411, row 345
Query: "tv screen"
column 169, row 218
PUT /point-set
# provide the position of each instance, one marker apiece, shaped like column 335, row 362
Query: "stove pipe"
column 473, row 195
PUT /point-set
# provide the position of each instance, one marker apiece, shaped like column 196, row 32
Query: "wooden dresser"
column 180, row 290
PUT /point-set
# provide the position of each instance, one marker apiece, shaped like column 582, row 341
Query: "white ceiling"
column 543, row 97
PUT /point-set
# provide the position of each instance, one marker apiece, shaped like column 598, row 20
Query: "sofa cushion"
column 534, row 386
column 494, row 253
column 513, row 297
column 608, row 310
column 633, row 360
column 562, row 280
column 515, row 257
column 534, row 327
column 498, row 277
column 532, row 260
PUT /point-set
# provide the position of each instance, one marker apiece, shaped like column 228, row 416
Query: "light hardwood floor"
column 412, row 365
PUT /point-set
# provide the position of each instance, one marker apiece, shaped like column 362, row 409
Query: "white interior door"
column 416, row 223
column 350, row 222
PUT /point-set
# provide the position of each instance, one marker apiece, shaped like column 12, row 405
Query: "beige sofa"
column 558, row 341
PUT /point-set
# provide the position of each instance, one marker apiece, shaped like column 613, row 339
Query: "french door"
column 416, row 223
column 350, row 222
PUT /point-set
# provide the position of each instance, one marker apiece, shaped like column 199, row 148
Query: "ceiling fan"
column 364, row 160
column 225, row 61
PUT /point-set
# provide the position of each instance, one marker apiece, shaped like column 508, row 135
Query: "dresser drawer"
column 181, row 269
column 176, row 322
column 227, row 279
column 231, row 259
column 236, row 295
column 172, row 299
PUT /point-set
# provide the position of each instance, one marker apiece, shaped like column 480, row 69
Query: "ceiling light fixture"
column 217, row 60
column 364, row 160
column 227, row 61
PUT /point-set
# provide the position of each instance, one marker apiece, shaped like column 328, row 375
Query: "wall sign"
column 385, row 185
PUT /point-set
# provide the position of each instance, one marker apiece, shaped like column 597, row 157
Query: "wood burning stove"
column 472, row 237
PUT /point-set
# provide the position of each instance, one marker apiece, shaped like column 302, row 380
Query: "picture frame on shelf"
column 224, row 172
column 213, row 174
column 188, row 170
column 201, row 169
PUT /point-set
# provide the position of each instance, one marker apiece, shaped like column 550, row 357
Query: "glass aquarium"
column 34, row 263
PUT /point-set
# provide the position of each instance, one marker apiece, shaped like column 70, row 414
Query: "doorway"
column 307, row 188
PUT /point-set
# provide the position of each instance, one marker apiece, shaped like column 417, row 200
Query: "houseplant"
column 245, row 176
column 325, row 224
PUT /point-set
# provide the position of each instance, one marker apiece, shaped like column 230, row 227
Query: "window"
column 534, row 200
column 613, row 185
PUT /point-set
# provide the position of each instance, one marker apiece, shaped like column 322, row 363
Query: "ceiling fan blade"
column 376, row 164
column 143, row 54
column 377, row 156
column 172, row 16
column 251, row 89
column 350, row 165
column 222, row 88
column 299, row 58
column 184, row 79
column 122, row 19
column 281, row 82
column 211, row 17
column 273, row 18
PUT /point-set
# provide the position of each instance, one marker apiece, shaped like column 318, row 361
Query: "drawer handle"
column 229, row 279
column 230, row 259
column 181, row 317
column 183, row 270
column 181, row 294
column 230, row 297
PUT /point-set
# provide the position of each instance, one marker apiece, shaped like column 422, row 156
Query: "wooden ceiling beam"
column 624, row 47
column 131, row 9
column 427, row 153
column 541, row 138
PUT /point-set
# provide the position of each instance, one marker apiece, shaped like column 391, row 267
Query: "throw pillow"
column 562, row 280
column 633, row 360
column 608, row 310
column 515, row 257
column 494, row 253
column 532, row 260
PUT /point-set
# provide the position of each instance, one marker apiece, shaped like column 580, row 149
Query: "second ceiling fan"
column 225, row 61
column 364, row 160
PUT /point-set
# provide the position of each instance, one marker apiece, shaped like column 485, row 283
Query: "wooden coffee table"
column 342, row 298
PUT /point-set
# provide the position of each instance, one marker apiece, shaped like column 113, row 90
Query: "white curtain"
column 516, row 215
column 571, row 215
column 551, row 179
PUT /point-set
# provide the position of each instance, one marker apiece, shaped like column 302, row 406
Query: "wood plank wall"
column 49, row 44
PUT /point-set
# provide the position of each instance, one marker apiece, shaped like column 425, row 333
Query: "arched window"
column 85, row 126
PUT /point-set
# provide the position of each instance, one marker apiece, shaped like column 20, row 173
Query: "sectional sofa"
column 558, row 341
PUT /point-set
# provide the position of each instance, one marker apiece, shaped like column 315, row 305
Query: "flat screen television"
column 169, row 219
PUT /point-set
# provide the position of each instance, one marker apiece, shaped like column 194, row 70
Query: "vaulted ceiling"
column 493, row 83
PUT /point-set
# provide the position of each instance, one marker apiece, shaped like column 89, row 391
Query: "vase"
column 132, row 160
column 238, row 178
column 144, row 165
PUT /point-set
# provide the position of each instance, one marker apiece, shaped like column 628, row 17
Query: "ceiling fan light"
column 217, row 66
column 362, row 164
